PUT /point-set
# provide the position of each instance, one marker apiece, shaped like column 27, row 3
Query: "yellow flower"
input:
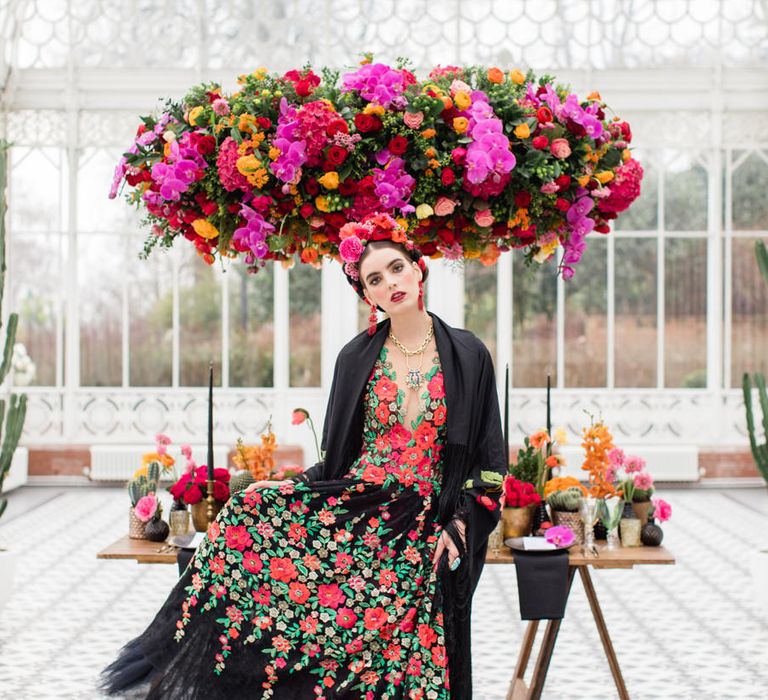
column 583, row 180
column 522, row 131
column 517, row 76
column 372, row 108
column 462, row 100
column 545, row 251
column 626, row 154
column 274, row 153
column 460, row 124
column 321, row 204
column 260, row 73
column 471, row 254
column 205, row 228
column 604, row 176
column 594, row 96
column 141, row 471
column 247, row 123
column 423, row 211
column 330, row 180
column 560, row 436
column 194, row 114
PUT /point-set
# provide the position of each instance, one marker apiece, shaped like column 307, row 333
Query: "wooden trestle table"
column 145, row 552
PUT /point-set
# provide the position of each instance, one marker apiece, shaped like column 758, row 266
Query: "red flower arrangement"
column 191, row 488
column 518, row 494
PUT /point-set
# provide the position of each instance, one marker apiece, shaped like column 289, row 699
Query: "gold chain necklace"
column 414, row 378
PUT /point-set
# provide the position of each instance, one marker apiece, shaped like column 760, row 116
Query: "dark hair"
column 412, row 254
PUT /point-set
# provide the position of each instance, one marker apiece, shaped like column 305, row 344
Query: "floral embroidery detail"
column 335, row 578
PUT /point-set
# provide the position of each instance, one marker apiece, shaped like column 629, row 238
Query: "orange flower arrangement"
column 257, row 459
column 597, row 442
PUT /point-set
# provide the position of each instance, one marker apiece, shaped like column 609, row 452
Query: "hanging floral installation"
column 472, row 161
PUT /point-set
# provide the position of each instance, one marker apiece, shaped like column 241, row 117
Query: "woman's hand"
column 445, row 542
column 266, row 485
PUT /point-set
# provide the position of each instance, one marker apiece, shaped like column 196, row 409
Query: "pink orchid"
column 560, row 536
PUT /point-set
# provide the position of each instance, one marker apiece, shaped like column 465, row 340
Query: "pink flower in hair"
column 351, row 249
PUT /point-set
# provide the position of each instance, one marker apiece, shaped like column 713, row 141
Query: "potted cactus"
column 564, row 506
column 13, row 410
column 758, row 444
column 140, row 488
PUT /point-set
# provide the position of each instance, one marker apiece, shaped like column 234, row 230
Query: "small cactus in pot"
column 564, row 506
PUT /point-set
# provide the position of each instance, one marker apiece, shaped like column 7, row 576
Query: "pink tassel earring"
column 421, row 295
column 372, row 319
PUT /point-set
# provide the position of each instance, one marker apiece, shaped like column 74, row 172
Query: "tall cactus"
column 12, row 420
column 759, row 450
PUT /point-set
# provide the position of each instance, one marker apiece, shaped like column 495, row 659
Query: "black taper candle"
column 549, row 421
column 506, row 415
column 210, row 422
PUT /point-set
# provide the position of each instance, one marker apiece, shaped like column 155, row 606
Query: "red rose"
column 335, row 219
column 193, row 495
column 626, row 132
column 540, row 142
column 544, row 114
column 336, row 155
column 447, row 236
column 563, row 182
column 562, row 204
column 367, row 122
column 264, row 122
column 347, row 187
column 306, row 210
column 447, row 177
column 206, row 144
column 603, row 228
column 312, row 187
column 428, row 248
column 220, row 491
column 398, row 145
column 337, row 126
column 304, row 88
column 523, row 199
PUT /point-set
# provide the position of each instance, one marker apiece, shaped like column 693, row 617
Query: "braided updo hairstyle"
column 409, row 254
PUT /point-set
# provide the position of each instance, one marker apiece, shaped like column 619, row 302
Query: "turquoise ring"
column 456, row 564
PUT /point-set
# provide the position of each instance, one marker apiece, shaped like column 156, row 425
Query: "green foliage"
column 527, row 467
column 567, row 500
column 759, row 449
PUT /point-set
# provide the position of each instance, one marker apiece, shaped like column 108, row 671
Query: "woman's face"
column 390, row 279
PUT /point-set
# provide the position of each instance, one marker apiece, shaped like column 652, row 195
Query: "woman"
column 354, row 581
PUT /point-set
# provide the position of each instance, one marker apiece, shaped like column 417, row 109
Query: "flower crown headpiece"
column 356, row 235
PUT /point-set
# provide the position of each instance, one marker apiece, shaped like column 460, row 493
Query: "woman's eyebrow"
column 376, row 272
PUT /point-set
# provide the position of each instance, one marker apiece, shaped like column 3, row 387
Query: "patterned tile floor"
column 692, row 630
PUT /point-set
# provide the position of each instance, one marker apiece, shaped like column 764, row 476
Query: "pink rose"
column 662, row 511
column 549, row 188
column 146, row 508
column 643, row 480
column 413, row 119
column 351, row 249
column 484, row 217
column 444, row 206
column 460, row 86
column 560, row 148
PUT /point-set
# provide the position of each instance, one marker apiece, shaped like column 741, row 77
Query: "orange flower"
column 309, row 255
column 428, row 133
column 562, row 483
column 495, row 75
column 539, row 439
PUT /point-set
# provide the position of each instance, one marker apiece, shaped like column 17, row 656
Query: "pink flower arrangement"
column 146, row 507
column 279, row 167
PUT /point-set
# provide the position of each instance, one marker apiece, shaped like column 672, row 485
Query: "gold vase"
column 200, row 514
column 517, row 521
column 572, row 521
column 135, row 526
column 178, row 521
column 629, row 529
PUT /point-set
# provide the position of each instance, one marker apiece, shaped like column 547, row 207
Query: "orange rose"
column 495, row 75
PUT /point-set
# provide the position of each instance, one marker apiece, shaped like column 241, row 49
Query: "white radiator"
column 662, row 462
column 119, row 462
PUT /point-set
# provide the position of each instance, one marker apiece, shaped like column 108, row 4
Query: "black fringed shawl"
column 474, row 443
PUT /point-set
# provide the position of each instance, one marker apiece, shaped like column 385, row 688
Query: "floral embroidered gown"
column 322, row 590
